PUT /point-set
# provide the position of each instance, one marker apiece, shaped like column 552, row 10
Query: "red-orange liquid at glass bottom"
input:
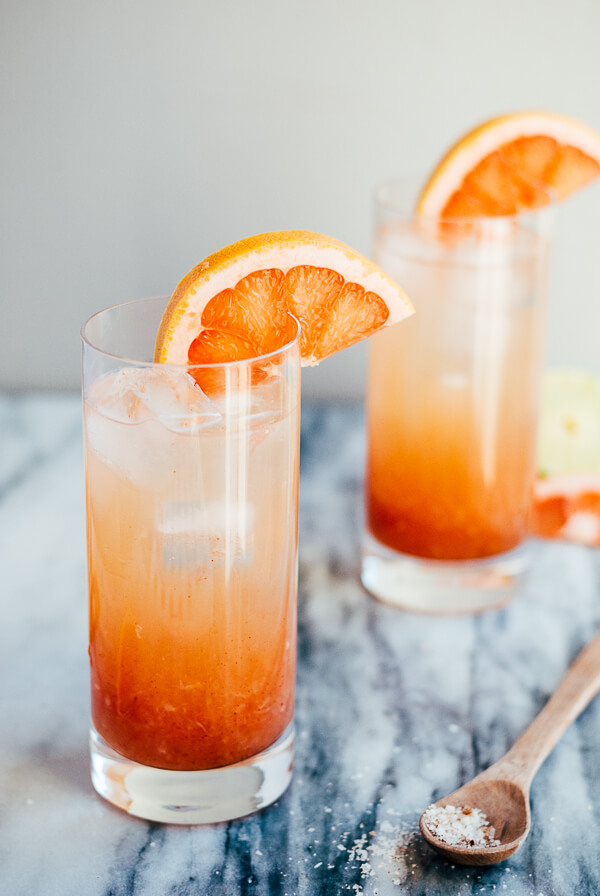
column 175, row 701
column 192, row 640
column 430, row 507
column 450, row 463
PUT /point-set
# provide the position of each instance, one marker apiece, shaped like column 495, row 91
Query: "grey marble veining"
column 393, row 709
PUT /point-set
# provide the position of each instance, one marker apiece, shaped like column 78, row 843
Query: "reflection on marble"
column 393, row 709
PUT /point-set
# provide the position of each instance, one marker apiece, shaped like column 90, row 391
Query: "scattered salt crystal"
column 384, row 849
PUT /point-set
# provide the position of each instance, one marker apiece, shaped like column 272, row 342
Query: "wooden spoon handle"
column 580, row 684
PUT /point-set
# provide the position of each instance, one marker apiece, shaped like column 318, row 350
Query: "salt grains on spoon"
column 460, row 826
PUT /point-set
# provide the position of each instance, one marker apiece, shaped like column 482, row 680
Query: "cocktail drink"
column 191, row 412
column 192, row 535
column 452, row 409
column 453, row 395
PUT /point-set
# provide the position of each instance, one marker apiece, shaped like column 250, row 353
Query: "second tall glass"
column 452, row 408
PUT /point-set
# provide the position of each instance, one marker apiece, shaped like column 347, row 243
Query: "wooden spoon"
column 502, row 790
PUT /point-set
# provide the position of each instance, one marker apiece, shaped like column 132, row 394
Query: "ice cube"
column 253, row 413
column 194, row 534
column 133, row 415
column 136, row 394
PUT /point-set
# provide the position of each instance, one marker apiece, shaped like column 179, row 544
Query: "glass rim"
column 406, row 209
column 137, row 362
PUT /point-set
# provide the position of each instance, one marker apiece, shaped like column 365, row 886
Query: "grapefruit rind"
column 487, row 138
column 281, row 250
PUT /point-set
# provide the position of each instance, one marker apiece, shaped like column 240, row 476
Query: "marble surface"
column 393, row 709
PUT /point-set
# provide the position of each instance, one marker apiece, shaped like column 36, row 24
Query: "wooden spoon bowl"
column 506, row 806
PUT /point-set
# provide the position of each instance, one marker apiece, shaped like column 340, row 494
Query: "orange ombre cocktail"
column 453, row 396
column 191, row 410
column 452, row 402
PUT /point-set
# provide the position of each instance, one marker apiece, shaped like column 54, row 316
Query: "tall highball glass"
column 452, row 403
column 192, row 503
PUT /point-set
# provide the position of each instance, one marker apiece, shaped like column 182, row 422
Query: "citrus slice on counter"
column 236, row 304
column 510, row 164
column 567, row 488
column 569, row 433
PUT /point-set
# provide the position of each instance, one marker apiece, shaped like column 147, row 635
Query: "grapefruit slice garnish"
column 236, row 304
column 510, row 164
column 567, row 488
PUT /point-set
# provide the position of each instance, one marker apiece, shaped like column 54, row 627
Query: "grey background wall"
column 140, row 135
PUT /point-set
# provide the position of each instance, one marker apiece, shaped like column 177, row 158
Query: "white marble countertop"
column 393, row 709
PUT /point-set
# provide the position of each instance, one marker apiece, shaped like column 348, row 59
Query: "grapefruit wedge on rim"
column 511, row 164
column 236, row 304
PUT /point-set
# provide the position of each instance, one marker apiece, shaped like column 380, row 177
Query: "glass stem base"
column 435, row 586
column 192, row 797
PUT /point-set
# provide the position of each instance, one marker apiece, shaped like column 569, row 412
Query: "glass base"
column 195, row 797
column 435, row 586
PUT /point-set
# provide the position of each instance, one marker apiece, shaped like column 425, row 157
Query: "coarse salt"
column 460, row 826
